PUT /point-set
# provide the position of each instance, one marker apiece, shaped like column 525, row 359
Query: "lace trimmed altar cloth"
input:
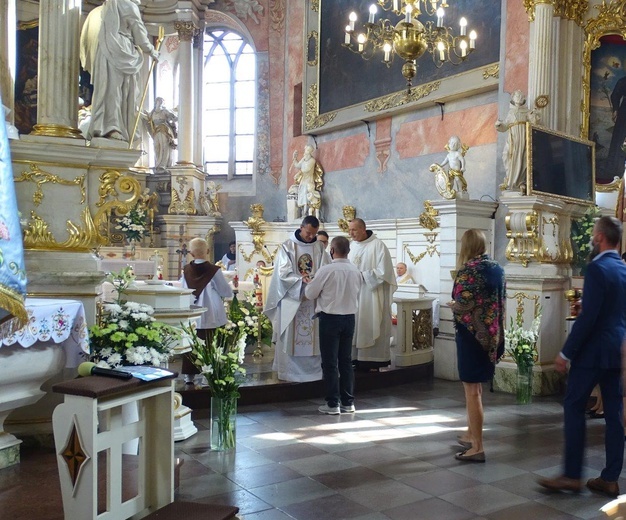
column 52, row 321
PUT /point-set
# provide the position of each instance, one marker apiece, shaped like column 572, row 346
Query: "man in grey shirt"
column 336, row 287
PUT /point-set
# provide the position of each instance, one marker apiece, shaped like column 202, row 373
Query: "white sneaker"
column 347, row 409
column 329, row 410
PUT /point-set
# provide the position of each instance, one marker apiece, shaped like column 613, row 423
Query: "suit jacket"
column 596, row 337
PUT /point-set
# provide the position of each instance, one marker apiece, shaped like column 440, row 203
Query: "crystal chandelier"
column 410, row 38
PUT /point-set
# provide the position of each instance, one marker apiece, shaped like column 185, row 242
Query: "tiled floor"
column 393, row 459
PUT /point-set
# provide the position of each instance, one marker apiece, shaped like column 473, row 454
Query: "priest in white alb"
column 373, row 321
column 297, row 354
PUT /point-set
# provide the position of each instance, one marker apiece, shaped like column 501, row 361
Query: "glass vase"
column 223, row 423
column 133, row 245
column 524, row 387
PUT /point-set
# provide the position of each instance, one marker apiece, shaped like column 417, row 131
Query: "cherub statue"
column 514, row 153
column 452, row 184
column 161, row 125
column 309, row 178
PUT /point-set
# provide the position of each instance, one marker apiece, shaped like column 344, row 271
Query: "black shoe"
column 596, row 415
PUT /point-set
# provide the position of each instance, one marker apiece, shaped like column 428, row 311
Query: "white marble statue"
column 514, row 153
column 12, row 132
column 309, row 180
column 451, row 184
column 161, row 125
column 111, row 44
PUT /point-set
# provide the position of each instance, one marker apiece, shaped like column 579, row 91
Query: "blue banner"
column 12, row 273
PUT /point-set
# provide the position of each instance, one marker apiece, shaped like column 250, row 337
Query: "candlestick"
column 347, row 38
column 408, row 10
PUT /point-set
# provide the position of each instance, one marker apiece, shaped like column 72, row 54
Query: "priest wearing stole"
column 373, row 324
column 297, row 354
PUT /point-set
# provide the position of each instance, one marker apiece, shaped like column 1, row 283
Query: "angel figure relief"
column 309, row 180
column 451, row 184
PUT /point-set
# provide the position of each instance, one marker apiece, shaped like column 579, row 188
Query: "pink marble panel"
column 475, row 126
column 516, row 54
column 345, row 153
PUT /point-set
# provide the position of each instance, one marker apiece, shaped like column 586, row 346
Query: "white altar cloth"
column 53, row 321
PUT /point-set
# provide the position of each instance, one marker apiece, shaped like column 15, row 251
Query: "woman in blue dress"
column 478, row 309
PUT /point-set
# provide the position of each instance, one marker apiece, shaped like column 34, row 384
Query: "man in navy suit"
column 594, row 352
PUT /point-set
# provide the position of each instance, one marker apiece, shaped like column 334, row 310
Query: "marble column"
column 186, row 105
column 57, row 105
column 198, row 63
column 542, row 63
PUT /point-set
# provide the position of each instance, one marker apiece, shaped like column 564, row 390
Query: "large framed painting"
column 26, row 76
column 342, row 88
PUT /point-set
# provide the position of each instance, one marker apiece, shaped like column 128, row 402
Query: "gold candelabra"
column 410, row 38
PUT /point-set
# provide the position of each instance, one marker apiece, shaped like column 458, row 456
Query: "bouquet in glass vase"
column 521, row 345
column 220, row 358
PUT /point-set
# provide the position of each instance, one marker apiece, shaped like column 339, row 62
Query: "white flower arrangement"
column 521, row 343
column 134, row 224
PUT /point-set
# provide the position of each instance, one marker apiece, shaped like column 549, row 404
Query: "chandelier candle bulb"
column 440, row 13
column 463, row 46
column 361, row 39
column 352, row 18
column 395, row 5
column 473, row 37
column 387, row 49
column 408, row 9
column 441, row 47
column 463, row 24
column 373, row 11
column 347, row 39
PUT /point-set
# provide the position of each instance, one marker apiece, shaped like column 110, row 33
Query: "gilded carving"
column 427, row 217
column 520, row 297
column 493, row 71
column 422, row 329
column 183, row 207
column 611, row 19
column 41, row 177
column 431, row 248
column 81, row 238
column 255, row 222
column 554, row 221
column 402, row 98
column 313, row 119
column 522, row 232
column 185, row 30
column 112, row 184
column 315, row 43
column 614, row 185
column 571, row 10
column 349, row 213
column 542, row 101
column 315, row 5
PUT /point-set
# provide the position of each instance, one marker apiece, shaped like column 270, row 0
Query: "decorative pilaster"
column 57, row 96
column 186, row 31
column 538, row 273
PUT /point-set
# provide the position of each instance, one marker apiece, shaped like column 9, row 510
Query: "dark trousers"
column 336, row 331
column 579, row 385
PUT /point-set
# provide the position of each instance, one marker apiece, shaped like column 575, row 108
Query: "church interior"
column 232, row 120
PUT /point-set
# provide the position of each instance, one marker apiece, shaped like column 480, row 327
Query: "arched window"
column 228, row 104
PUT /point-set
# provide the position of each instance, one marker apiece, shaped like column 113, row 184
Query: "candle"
column 387, row 49
column 361, row 39
column 408, row 10
column 235, row 280
column 463, row 24
column 440, row 13
column 442, row 48
column 473, row 37
column 352, row 19
column 347, row 38
column 395, row 5
column 463, row 46
column 373, row 11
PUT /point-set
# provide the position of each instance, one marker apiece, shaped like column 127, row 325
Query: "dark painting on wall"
column 607, row 107
column 26, row 77
column 345, row 79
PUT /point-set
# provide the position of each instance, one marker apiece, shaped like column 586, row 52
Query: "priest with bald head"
column 373, row 325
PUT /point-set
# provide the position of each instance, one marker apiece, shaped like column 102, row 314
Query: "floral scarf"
column 479, row 299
